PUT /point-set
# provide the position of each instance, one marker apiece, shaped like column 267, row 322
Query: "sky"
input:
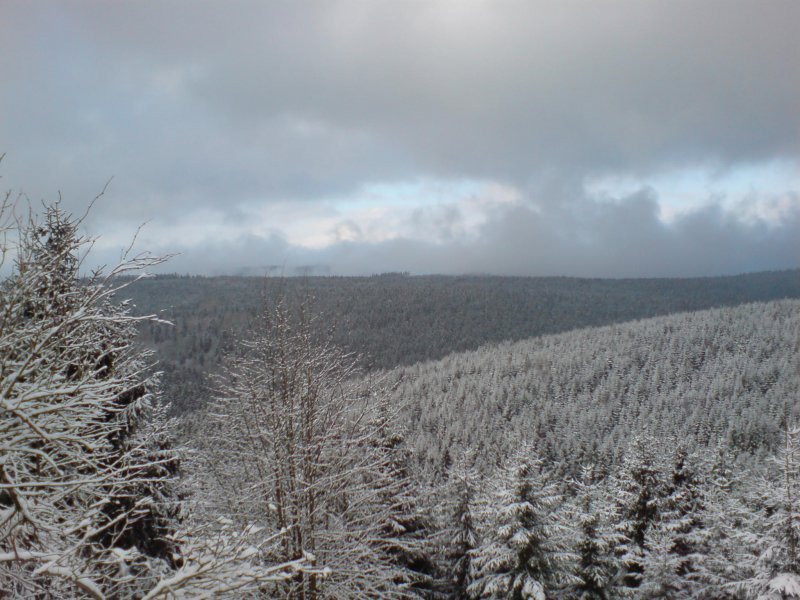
column 626, row 138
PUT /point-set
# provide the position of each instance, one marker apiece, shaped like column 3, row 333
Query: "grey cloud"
column 347, row 230
column 441, row 222
column 581, row 238
column 503, row 89
column 225, row 105
column 627, row 239
column 392, row 89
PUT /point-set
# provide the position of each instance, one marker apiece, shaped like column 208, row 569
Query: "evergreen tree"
column 525, row 554
column 87, row 508
column 778, row 567
column 676, row 545
column 732, row 531
column 598, row 566
column 100, row 430
column 638, row 488
column 407, row 528
column 460, row 535
column 661, row 578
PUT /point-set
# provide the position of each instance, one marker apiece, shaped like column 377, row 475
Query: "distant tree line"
column 394, row 319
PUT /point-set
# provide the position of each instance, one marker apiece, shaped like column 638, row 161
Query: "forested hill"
column 728, row 375
column 400, row 320
column 635, row 460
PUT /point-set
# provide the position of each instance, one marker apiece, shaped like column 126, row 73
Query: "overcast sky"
column 599, row 139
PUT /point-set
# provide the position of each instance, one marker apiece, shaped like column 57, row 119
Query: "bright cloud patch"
column 433, row 211
column 755, row 192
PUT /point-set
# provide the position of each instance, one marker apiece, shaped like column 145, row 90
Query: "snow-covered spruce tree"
column 459, row 535
column 660, row 578
column 79, row 481
column 676, row 545
column 598, row 566
column 525, row 553
column 734, row 531
column 638, row 488
column 294, row 441
column 778, row 566
column 86, row 471
column 407, row 529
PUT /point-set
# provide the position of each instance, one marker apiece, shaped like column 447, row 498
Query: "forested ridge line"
column 425, row 317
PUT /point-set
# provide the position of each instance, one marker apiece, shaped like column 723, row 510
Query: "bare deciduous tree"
column 293, row 440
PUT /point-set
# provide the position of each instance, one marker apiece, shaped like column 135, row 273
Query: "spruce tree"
column 777, row 574
column 525, row 554
column 732, row 527
column 598, row 566
column 407, row 528
column 87, row 504
column 88, row 480
column 638, row 488
column 661, row 578
column 460, row 536
column 676, row 544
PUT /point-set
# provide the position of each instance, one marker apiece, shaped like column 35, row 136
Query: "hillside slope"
column 723, row 375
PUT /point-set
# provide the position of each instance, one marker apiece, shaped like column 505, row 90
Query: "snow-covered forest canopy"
column 490, row 438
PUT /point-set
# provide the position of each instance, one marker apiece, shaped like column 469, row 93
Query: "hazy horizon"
column 321, row 271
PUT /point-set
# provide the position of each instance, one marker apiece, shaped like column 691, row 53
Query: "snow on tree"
column 293, row 441
column 598, row 567
column 460, row 536
column 734, row 526
column 677, row 543
column 661, row 577
column 638, row 487
column 525, row 554
column 778, row 566
column 86, row 470
column 407, row 530
column 78, row 480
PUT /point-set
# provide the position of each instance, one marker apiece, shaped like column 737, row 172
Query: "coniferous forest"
column 393, row 436
column 399, row 300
